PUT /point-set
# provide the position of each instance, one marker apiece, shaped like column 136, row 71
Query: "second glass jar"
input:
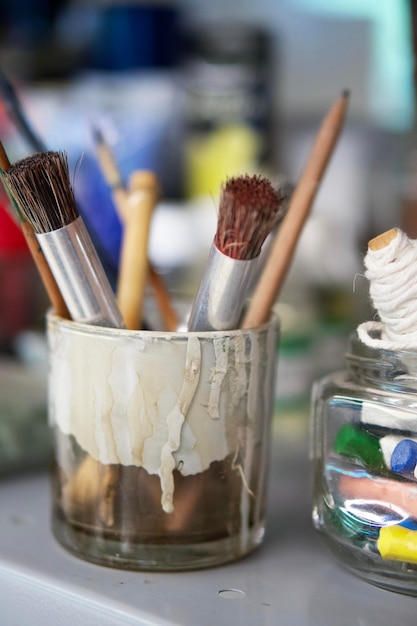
column 364, row 448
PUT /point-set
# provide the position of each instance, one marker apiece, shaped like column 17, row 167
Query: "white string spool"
column 391, row 271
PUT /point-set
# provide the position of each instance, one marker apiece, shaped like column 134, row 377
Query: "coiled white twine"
column 392, row 273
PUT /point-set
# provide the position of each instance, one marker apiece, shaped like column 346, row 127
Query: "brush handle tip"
column 144, row 180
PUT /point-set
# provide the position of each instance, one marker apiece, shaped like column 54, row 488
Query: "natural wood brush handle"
column 162, row 297
column 49, row 282
column 280, row 257
column 133, row 272
column 120, row 195
column 112, row 175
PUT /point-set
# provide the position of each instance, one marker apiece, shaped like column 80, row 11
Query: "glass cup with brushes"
column 161, row 437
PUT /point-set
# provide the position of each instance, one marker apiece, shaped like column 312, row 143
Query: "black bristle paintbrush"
column 250, row 208
column 42, row 266
column 13, row 105
column 40, row 185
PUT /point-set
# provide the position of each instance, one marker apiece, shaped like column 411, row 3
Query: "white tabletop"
column 292, row 580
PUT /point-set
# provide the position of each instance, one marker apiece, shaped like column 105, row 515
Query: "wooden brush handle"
column 112, row 176
column 54, row 294
column 162, row 297
column 283, row 247
column 120, row 196
column 108, row 166
column 133, row 272
column 4, row 159
column 163, row 300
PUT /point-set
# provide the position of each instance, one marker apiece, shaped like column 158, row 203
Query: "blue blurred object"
column 137, row 148
column 96, row 207
column 130, row 37
column 25, row 22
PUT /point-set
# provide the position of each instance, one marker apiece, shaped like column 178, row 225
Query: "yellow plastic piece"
column 398, row 543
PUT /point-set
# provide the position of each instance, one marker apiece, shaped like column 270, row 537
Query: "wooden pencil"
column 283, row 247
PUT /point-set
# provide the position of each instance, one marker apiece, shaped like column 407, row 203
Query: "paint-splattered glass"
column 161, row 443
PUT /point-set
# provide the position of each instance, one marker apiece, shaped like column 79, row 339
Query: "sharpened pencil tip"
column 346, row 93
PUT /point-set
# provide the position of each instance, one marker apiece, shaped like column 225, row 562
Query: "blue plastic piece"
column 404, row 458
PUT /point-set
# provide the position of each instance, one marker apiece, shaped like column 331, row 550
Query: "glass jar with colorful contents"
column 364, row 446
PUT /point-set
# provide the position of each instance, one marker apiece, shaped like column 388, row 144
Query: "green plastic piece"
column 354, row 442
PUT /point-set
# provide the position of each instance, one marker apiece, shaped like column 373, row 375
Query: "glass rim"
column 91, row 329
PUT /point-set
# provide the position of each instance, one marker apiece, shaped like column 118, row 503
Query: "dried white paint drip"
column 253, row 388
column 218, row 372
column 240, row 364
column 270, row 377
column 175, row 421
column 247, row 442
column 246, row 492
column 142, row 399
column 268, row 400
column 393, row 290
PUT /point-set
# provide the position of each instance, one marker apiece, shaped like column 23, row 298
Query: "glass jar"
column 364, row 446
column 161, row 443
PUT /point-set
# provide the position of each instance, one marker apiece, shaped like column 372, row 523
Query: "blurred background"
column 198, row 91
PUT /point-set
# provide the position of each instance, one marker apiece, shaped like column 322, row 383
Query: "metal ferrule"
column 222, row 293
column 80, row 276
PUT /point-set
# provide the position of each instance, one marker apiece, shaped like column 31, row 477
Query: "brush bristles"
column 250, row 207
column 41, row 187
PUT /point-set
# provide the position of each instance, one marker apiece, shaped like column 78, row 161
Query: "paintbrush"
column 282, row 250
column 249, row 208
column 15, row 111
column 133, row 272
column 120, row 195
column 40, row 185
column 49, row 282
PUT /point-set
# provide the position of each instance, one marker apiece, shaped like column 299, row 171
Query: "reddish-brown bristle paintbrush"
column 250, row 207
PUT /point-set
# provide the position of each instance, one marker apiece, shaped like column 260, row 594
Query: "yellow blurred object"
column 211, row 158
column 398, row 543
